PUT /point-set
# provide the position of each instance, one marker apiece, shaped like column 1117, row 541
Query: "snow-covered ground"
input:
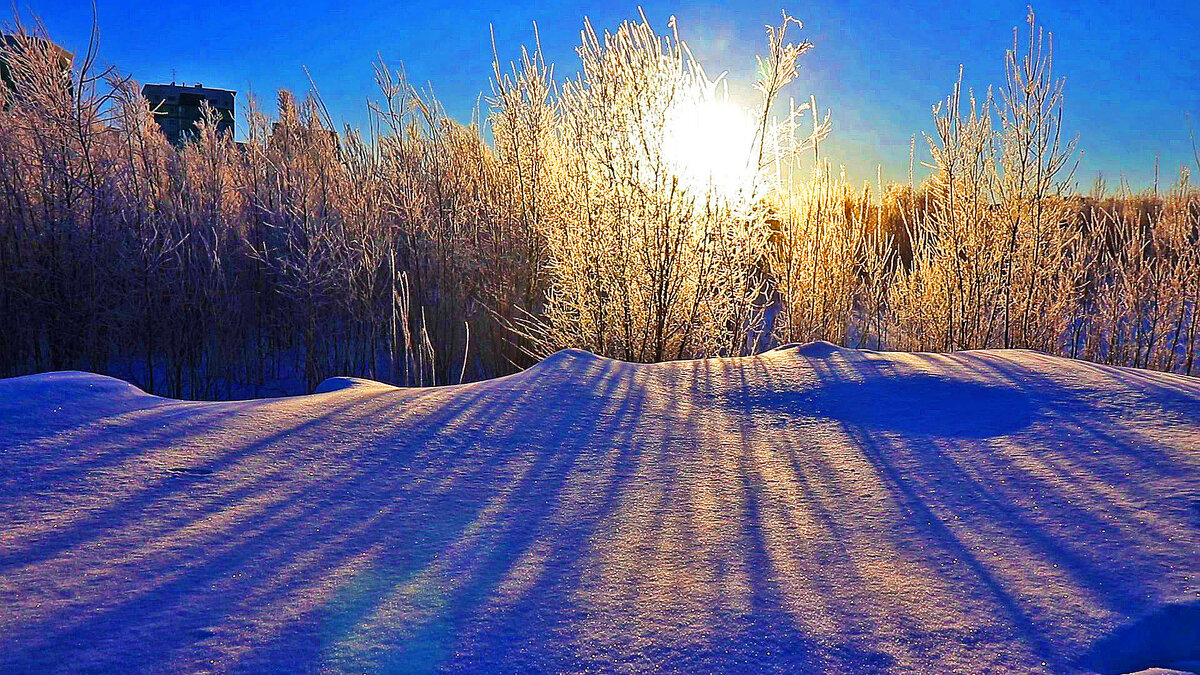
column 813, row 509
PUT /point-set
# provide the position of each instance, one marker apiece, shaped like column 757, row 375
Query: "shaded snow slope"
column 813, row 509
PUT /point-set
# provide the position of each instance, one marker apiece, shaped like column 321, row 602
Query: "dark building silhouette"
column 13, row 43
column 177, row 108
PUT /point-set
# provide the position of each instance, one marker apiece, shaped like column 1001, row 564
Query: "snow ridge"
column 811, row 509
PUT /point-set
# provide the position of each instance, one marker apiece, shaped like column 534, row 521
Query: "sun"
column 709, row 143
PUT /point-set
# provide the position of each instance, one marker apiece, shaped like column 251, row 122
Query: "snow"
column 811, row 509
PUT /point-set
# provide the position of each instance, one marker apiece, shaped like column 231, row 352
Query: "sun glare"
column 709, row 144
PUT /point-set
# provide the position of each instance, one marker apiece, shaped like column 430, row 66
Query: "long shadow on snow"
column 406, row 505
column 256, row 558
column 926, row 474
column 464, row 631
column 653, row 454
column 61, row 640
column 909, row 403
column 1166, row 638
column 133, row 506
column 959, row 410
column 772, row 619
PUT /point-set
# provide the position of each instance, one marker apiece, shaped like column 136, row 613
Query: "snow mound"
column 333, row 384
column 576, row 360
column 819, row 349
column 65, row 399
column 813, row 509
column 64, row 386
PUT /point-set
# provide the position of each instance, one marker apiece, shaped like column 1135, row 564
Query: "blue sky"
column 1132, row 69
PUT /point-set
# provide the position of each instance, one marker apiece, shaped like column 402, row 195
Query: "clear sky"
column 1132, row 68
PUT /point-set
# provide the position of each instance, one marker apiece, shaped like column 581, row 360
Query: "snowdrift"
column 812, row 509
